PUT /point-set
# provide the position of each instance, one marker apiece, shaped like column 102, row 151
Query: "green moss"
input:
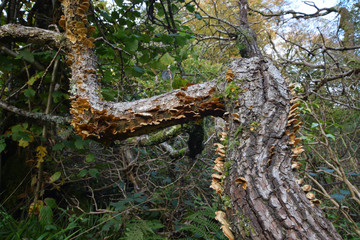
column 238, row 131
column 245, row 226
column 226, row 200
column 182, row 151
column 227, row 167
column 232, row 90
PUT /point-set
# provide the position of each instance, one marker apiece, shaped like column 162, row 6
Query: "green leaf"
column 198, row 16
column 119, row 206
column 82, row 173
column 90, row 158
column 132, row 45
column 26, row 55
column 79, row 143
column 181, row 40
column 166, row 59
column 51, row 202
column 35, row 77
column 50, row 227
column 108, row 93
column 58, row 146
column 139, row 69
column 119, row 2
column 93, row 172
column 338, row 197
column 29, row 93
column 55, row 177
column 178, row 83
column 330, row 136
column 46, row 215
column 314, row 125
column 2, row 144
column 190, row 7
column 57, row 96
column 345, row 192
column 18, row 132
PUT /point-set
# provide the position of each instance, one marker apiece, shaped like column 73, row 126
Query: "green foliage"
column 201, row 224
column 41, row 227
column 141, row 230
column 232, row 91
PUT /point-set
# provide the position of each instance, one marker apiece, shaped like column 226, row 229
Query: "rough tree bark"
column 266, row 201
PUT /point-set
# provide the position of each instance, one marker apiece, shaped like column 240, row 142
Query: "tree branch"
column 297, row 15
column 15, row 32
column 35, row 115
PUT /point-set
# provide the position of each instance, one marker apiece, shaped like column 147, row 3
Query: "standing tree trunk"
column 266, row 201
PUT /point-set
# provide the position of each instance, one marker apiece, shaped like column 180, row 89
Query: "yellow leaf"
column 41, row 152
column 55, row 177
column 35, row 208
column 23, row 143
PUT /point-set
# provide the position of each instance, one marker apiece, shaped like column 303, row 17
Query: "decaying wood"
column 95, row 118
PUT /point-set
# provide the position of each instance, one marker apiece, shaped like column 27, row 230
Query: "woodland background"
column 157, row 186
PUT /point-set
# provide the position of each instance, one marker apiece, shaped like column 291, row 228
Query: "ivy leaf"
column 166, row 59
column 93, row 172
column 58, row 146
column 55, row 177
column 79, row 143
column 90, row 158
column 23, row 143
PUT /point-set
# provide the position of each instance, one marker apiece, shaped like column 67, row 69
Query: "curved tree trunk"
column 266, row 201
